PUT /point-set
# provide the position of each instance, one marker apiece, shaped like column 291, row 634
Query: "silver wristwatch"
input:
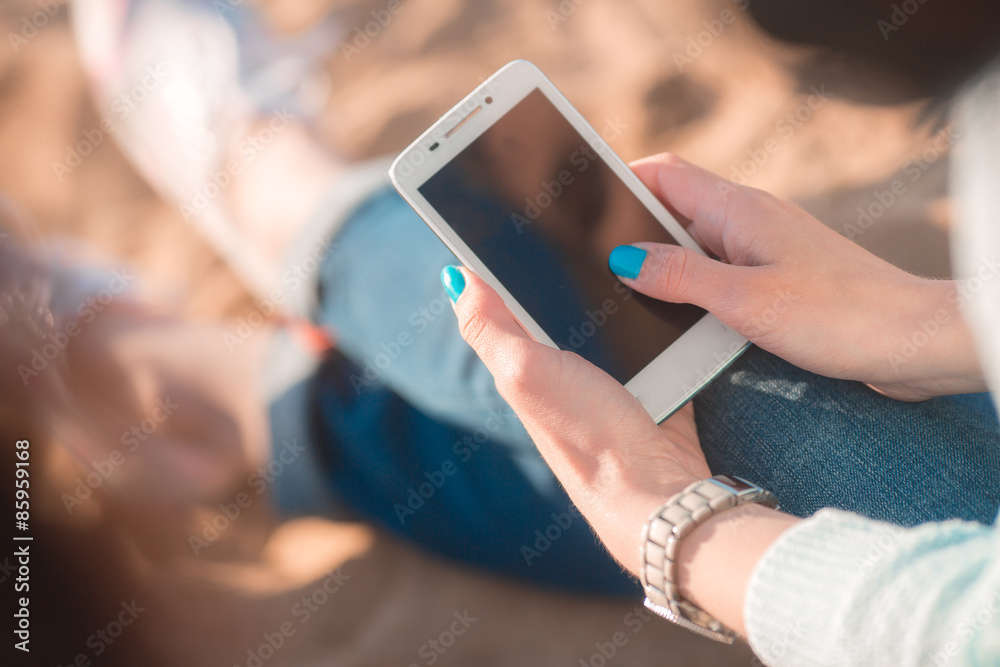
column 667, row 526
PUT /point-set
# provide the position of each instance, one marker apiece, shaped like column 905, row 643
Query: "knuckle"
column 675, row 272
column 773, row 204
column 506, row 357
column 668, row 159
column 749, row 198
column 518, row 372
column 475, row 326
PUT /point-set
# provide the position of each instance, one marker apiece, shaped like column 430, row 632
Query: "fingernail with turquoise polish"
column 453, row 281
column 626, row 261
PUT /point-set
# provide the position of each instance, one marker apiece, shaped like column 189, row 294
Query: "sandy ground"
column 741, row 105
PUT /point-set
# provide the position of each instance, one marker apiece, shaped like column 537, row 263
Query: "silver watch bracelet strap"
column 724, row 635
column 661, row 537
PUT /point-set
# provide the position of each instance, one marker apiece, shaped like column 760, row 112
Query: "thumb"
column 485, row 322
column 676, row 274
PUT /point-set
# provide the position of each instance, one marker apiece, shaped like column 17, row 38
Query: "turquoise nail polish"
column 453, row 281
column 626, row 261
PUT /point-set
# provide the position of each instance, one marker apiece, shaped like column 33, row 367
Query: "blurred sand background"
column 617, row 61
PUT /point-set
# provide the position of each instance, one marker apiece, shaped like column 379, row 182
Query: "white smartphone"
column 530, row 197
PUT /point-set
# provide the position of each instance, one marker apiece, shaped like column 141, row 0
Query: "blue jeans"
column 425, row 400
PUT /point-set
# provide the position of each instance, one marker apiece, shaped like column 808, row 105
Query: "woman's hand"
column 615, row 463
column 613, row 460
column 800, row 290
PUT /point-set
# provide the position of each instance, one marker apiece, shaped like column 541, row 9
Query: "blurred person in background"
column 89, row 571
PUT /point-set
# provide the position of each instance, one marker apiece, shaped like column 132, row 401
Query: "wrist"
column 931, row 351
column 696, row 555
column 715, row 562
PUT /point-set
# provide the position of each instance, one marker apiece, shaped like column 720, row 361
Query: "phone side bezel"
column 692, row 360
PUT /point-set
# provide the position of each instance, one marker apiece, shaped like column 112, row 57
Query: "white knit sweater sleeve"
column 838, row 589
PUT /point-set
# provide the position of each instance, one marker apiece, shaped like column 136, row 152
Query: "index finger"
column 701, row 198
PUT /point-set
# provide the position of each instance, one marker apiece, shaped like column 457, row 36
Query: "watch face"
column 735, row 483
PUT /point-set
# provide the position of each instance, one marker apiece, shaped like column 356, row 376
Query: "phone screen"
column 543, row 211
